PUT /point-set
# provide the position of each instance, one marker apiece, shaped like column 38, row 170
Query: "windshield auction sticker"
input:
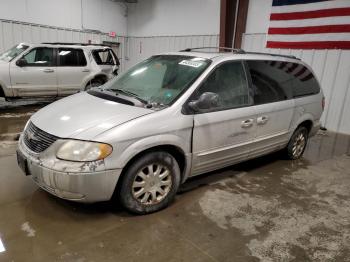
column 191, row 63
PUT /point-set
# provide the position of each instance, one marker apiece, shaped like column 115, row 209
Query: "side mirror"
column 21, row 62
column 205, row 102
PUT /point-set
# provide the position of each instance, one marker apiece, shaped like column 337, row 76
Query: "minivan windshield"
column 160, row 79
column 13, row 52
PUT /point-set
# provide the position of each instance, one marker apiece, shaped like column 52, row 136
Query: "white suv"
column 54, row 69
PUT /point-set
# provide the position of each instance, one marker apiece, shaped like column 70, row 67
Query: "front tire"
column 150, row 183
column 297, row 143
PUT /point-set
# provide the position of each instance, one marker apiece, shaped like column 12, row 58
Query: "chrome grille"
column 36, row 139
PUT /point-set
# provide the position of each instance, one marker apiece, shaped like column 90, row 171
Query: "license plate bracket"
column 22, row 163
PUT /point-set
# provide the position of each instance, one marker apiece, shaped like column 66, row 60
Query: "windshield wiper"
column 131, row 94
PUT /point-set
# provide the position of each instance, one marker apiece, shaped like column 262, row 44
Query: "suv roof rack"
column 237, row 51
column 233, row 50
column 82, row 44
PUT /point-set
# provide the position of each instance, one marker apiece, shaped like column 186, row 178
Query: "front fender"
column 149, row 142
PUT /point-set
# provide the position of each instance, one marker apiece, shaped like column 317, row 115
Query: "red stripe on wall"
column 345, row 11
column 309, row 30
column 309, row 45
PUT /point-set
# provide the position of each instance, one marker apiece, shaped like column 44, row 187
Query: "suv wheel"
column 93, row 83
column 150, row 183
column 297, row 143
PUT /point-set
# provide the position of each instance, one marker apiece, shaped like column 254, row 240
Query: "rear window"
column 71, row 57
column 104, row 57
column 274, row 81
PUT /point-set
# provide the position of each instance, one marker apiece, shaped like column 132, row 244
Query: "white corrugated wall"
column 332, row 68
column 139, row 48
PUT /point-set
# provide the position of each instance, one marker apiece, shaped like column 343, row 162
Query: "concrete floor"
column 267, row 209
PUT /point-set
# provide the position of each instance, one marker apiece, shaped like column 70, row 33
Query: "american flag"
column 309, row 24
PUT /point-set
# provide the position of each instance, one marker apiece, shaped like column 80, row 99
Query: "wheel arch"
column 102, row 77
column 172, row 149
column 306, row 120
column 306, row 123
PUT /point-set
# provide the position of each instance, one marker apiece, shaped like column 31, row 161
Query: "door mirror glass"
column 21, row 62
column 205, row 102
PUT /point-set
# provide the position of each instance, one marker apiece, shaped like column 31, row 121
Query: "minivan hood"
column 84, row 116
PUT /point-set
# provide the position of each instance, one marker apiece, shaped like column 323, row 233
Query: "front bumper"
column 84, row 186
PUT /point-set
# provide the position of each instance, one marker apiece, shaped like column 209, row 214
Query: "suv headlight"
column 83, row 151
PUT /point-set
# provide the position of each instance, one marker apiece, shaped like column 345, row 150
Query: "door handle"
column 48, row 70
column 262, row 120
column 247, row 123
column 86, row 70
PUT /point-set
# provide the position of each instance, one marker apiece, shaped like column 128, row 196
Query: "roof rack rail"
column 237, row 51
column 82, row 44
column 262, row 53
column 233, row 50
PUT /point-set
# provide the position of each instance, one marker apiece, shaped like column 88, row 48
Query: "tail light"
column 323, row 103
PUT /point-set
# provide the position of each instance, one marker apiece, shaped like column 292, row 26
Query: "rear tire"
column 297, row 143
column 150, row 183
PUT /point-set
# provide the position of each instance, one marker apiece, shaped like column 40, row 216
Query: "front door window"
column 229, row 82
column 39, row 57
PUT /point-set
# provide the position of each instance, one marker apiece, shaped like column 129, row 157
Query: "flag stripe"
column 308, row 77
column 310, row 29
column 310, row 7
column 302, row 71
column 339, row 20
column 311, row 14
column 310, row 37
column 294, row 2
column 292, row 68
column 309, row 45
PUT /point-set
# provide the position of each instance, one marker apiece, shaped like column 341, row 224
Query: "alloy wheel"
column 299, row 145
column 152, row 184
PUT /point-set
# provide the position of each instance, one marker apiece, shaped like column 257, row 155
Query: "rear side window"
column 304, row 82
column 270, row 81
column 71, row 57
column 274, row 81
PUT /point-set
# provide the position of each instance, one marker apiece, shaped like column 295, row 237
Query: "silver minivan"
column 170, row 117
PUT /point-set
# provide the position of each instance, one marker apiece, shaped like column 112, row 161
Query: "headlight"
column 82, row 151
